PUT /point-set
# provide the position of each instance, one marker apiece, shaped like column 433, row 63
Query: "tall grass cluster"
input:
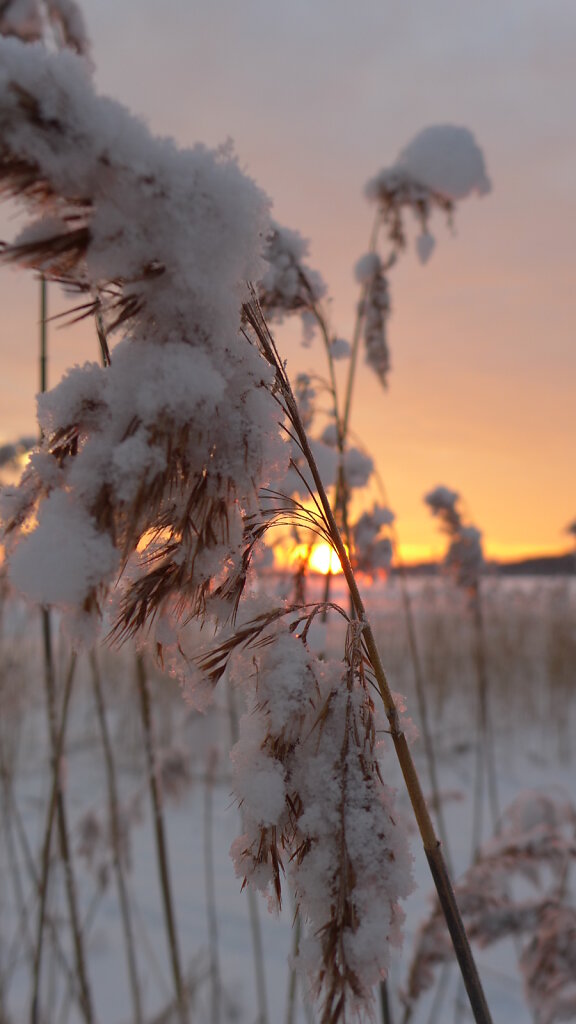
column 531, row 654
column 164, row 468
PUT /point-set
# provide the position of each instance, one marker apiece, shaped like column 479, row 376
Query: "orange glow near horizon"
column 320, row 558
column 323, row 559
column 414, row 554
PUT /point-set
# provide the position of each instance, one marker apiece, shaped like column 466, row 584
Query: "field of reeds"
column 319, row 726
column 139, row 904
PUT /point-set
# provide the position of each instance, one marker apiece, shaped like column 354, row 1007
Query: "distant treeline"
column 544, row 565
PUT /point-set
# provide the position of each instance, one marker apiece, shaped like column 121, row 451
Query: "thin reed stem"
column 290, row 1015
column 38, row 891
column 57, row 812
column 210, row 885
column 23, row 933
column 345, row 422
column 430, row 841
column 484, row 705
column 385, row 1007
column 440, row 994
column 485, row 762
column 160, row 836
column 87, row 922
column 56, row 733
column 57, row 744
column 254, row 916
column 116, row 839
column 43, row 355
column 422, row 703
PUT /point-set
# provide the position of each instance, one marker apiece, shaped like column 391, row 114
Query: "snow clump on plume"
column 26, row 20
column 374, row 310
column 308, row 779
column 288, row 284
column 446, row 159
column 151, row 464
column 440, row 166
column 464, row 559
column 372, row 551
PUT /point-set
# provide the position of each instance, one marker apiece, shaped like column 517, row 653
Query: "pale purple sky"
column 319, row 96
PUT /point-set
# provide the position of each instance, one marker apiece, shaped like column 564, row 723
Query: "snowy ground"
column 531, row 646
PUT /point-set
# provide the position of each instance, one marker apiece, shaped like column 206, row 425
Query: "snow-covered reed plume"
column 441, row 165
column 372, row 546
column 150, row 470
column 33, row 20
column 288, row 284
column 307, row 775
column 535, row 847
column 12, row 452
column 464, row 559
column 149, row 479
column 155, row 461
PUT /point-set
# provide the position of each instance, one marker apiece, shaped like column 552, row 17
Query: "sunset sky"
column 318, row 97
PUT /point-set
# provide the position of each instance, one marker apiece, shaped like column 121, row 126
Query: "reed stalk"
column 385, row 1007
column 431, row 844
column 341, row 501
column 160, row 837
column 290, row 1015
column 116, row 840
column 345, row 422
column 38, row 890
column 253, row 913
column 291, row 1004
column 57, row 814
column 23, row 933
column 56, row 733
column 210, row 886
column 485, row 716
column 422, row 703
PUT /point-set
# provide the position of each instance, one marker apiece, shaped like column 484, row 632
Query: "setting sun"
column 324, row 559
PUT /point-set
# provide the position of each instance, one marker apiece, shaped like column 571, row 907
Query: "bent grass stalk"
column 431, row 844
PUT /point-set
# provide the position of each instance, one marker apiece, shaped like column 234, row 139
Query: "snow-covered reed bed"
column 530, row 632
